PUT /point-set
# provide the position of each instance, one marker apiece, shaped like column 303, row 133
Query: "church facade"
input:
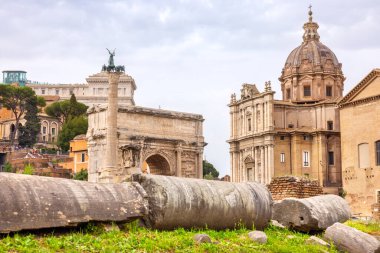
column 299, row 134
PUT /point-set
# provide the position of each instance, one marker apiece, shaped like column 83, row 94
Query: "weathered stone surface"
column 276, row 224
column 185, row 202
column 316, row 241
column 311, row 214
column 33, row 202
column 258, row 236
column 351, row 240
column 202, row 238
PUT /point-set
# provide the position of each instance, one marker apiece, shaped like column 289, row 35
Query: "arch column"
column 256, row 165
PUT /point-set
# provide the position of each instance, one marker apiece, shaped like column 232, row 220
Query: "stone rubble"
column 202, row 238
column 351, row 240
column 258, row 236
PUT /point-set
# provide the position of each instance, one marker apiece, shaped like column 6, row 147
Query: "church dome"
column 314, row 52
column 312, row 71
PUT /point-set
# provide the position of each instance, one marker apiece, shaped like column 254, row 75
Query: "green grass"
column 367, row 227
column 131, row 238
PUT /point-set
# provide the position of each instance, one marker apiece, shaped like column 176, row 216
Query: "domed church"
column 298, row 135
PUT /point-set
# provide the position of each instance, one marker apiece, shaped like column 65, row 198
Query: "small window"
column 307, row 91
column 282, row 138
column 282, row 157
column 249, row 125
column 330, row 125
column 44, row 138
column 71, row 149
column 378, row 197
column 57, row 92
column 290, row 126
column 328, row 91
column 288, row 94
column 53, row 131
column 44, row 130
column 306, row 159
column 331, row 158
column 83, row 156
column 43, row 92
column 306, row 137
column 377, row 144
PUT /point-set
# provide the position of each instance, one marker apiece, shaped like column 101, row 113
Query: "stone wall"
column 289, row 186
column 376, row 211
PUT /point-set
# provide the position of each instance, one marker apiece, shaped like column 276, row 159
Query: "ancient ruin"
column 127, row 139
column 311, row 214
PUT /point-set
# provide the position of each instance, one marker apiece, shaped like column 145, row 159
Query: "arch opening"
column 156, row 164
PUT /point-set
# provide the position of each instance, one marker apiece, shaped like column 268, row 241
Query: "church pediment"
column 368, row 87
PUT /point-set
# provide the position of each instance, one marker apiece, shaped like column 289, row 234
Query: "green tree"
column 67, row 109
column 15, row 98
column 28, row 133
column 81, row 175
column 209, row 169
column 70, row 129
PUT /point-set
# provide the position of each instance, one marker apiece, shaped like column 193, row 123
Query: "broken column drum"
column 33, row 202
column 311, row 214
column 197, row 203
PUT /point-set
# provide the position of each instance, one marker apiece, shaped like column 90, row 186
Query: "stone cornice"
column 360, row 101
column 260, row 95
column 374, row 73
column 149, row 111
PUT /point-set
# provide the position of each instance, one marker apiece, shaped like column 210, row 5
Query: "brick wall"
column 290, row 186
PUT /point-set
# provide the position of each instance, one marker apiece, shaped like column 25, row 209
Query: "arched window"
column 377, row 148
column 363, row 154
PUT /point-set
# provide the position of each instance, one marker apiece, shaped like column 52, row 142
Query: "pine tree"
column 28, row 133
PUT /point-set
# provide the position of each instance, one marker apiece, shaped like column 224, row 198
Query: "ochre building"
column 360, row 129
column 298, row 135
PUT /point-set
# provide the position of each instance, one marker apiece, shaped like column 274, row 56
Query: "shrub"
column 28, row 169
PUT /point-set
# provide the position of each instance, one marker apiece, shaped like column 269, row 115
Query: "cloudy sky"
column 185, row 55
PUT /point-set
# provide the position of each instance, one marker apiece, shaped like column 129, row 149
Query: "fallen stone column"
column 33, row 202
column 197, row 203
column 311, row 214
column 351, row 240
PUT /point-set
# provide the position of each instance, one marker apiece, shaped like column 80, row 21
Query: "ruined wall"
column 288, row 186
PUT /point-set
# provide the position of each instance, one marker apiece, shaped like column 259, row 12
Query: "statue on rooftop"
column 110, row 60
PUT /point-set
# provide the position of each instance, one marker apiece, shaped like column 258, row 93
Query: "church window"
column 287, row 93
column 329, row 91
column 44, row 130
column 330, row 125
column 363, row 150
column 307, row 91
column 306, row 159
column 53, row 131
column 377, row 153
column 249, row 125
column 282, row 157
column 331, row 158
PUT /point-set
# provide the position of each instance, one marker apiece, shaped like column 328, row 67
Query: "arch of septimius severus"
column 298, row 135
column 124, row 139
